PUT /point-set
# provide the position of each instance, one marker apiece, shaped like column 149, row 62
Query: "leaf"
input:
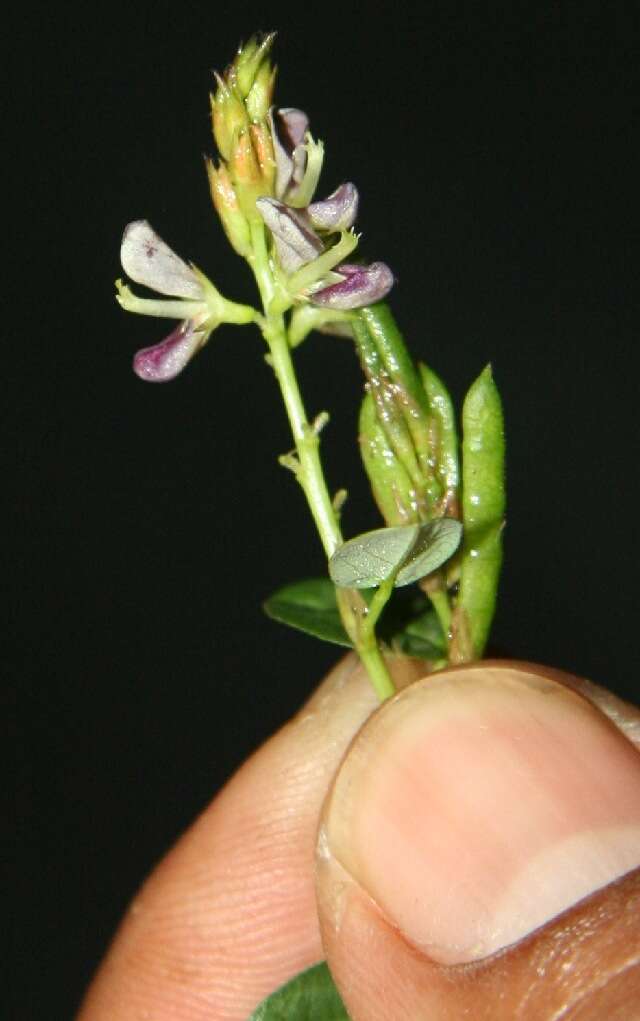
column 310, row 996
column 408, row 625
column 421, row 637
column 310, row 606
column 408, row 551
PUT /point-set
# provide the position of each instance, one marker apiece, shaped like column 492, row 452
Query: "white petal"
column 149, row 261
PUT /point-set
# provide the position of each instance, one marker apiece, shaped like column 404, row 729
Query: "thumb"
column 471, row 852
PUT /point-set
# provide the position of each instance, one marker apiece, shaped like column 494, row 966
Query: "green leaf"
column 310, row 996
column 407, row 551
column 408, row 624
column 310, row 606
column 421, row 636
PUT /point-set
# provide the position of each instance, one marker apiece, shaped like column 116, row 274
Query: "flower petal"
column 362, row 285
column 293, row 125
column 165, row 360
column 288, row 128
column 296, row 243
column 148, row 260
column 338, row 211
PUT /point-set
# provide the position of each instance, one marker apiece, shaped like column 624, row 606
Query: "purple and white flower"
column 192, row 299
column 318, row 274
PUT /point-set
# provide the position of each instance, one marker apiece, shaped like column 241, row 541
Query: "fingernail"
column 479, row 804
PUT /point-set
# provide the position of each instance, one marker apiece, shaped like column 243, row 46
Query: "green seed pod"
column 483, row 506
column 443, row 437
column 390, row 411
column 410, row 396
column 391, row 486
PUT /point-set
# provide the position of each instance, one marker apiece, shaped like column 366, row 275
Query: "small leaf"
column 420, row 637
column 310, row 996
column 309, row 606
column 407, row 551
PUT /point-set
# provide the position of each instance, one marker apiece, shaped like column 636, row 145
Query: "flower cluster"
column 267, row 176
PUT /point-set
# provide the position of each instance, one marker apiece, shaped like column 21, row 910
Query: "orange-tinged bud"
column 245, row 173
column 225, row 201
column 263, row 148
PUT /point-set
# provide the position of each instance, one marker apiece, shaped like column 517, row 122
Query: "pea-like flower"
column 315, row 273
column 190, row 298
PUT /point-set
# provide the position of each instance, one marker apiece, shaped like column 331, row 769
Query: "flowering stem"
column 358, row 619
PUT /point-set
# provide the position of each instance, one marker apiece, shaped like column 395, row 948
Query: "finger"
column 230, row 913
column 471, row 853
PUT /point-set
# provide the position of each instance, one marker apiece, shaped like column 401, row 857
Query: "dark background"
column 493, row 148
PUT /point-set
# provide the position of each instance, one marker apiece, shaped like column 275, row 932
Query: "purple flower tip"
column 288, row 128
column 163, row 361
column 362, row 285
column 338, row 211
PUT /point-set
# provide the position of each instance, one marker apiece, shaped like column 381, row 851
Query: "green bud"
column 228, row 116
column 258, row 102
column 390, row 483
column 249, row 61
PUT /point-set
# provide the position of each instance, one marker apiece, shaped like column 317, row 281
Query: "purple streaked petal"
column 338, row 211
column 363, row 285
column 165, row 360
column 148, row 260
column 293, row 125
column 288, row 128
column 296, row 244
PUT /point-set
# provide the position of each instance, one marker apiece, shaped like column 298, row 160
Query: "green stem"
column 440, row 602
column 358, row 619
column 368, row 648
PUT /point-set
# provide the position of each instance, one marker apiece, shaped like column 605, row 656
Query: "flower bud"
column 259, row 99
column 263, row 148
column 249, row 61
column 228, row 116
column 225, row 201
column 245, row 173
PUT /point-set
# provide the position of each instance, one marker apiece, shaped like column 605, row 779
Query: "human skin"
column 468, row 849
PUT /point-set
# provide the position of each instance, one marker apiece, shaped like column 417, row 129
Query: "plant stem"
column 440, row 602
column 359, row 620
column 368, row 649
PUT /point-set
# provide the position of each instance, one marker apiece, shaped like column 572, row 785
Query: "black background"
column 493, row 148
